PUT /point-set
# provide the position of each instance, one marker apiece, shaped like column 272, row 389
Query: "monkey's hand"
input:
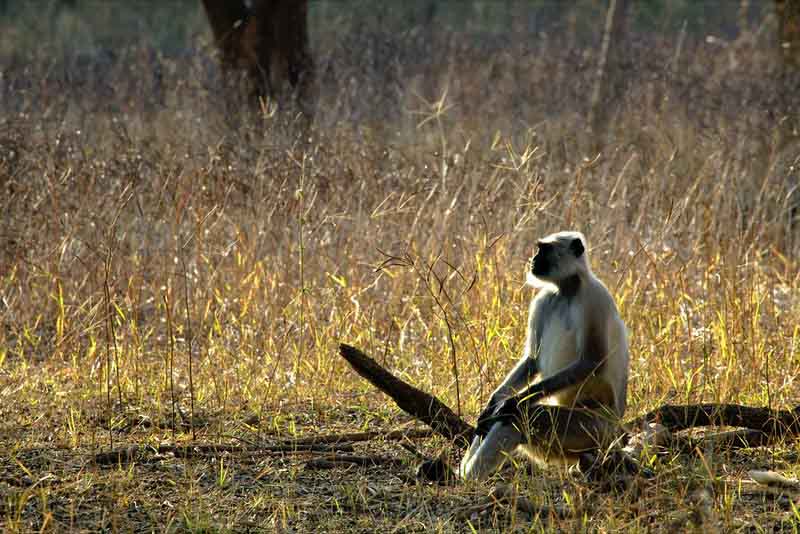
column 509, row 408
column 485, row 419
column 483, row 426
column 503, row 412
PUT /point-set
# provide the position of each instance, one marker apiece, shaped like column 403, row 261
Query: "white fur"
column 559, row 347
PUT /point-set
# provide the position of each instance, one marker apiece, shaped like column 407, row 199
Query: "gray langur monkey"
column 568, row 391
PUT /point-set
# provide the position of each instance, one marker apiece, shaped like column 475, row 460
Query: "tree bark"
column 607, row 77
column 413, row 401
column 281, row 40
column 269, row 42
column 227, row 19
column 774, row 423
column 788, row 13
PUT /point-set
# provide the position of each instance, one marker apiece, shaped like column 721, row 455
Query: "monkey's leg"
column 477, row 441
column 557, row 433
column 486, row 454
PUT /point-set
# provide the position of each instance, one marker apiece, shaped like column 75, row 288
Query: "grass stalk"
column 170, row 358
column 189, row 342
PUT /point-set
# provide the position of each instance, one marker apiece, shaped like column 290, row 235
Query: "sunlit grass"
column 142, row 232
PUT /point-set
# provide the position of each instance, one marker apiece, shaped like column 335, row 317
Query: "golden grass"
column 132, row 193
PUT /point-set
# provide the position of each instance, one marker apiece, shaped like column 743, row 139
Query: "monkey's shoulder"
column 592, row 297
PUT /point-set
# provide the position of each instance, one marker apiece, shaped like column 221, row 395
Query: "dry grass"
column 136, row 202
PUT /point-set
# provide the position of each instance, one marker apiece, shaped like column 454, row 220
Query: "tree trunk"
column 788, row 12
column 607, row 78
column 227, row 19
column 269, row 42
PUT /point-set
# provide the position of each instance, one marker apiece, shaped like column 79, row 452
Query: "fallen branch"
column 764, row 425
column 333, row 461
column 415, row 402
column 774, row 423
column 773, row 479
column 326, row 443
column 186, row 451
column 738, row 439
column 116, row 456
column 352, row 437
column 506, row 495
column 730, row 440
column 128, row 454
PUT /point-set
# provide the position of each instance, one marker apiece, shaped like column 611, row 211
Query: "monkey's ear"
column 576, row 246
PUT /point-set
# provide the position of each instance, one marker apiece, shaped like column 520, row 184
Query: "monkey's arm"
column 592, row 352
column 573, row 374
column 517, row 379
column 520, row 376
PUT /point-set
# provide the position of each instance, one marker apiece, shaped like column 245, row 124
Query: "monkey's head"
column 558, row 257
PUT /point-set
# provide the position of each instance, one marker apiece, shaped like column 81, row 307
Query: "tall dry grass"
column 139, row 186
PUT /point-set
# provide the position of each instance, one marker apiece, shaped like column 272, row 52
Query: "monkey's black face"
column 557, row 258
column 543, row 261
